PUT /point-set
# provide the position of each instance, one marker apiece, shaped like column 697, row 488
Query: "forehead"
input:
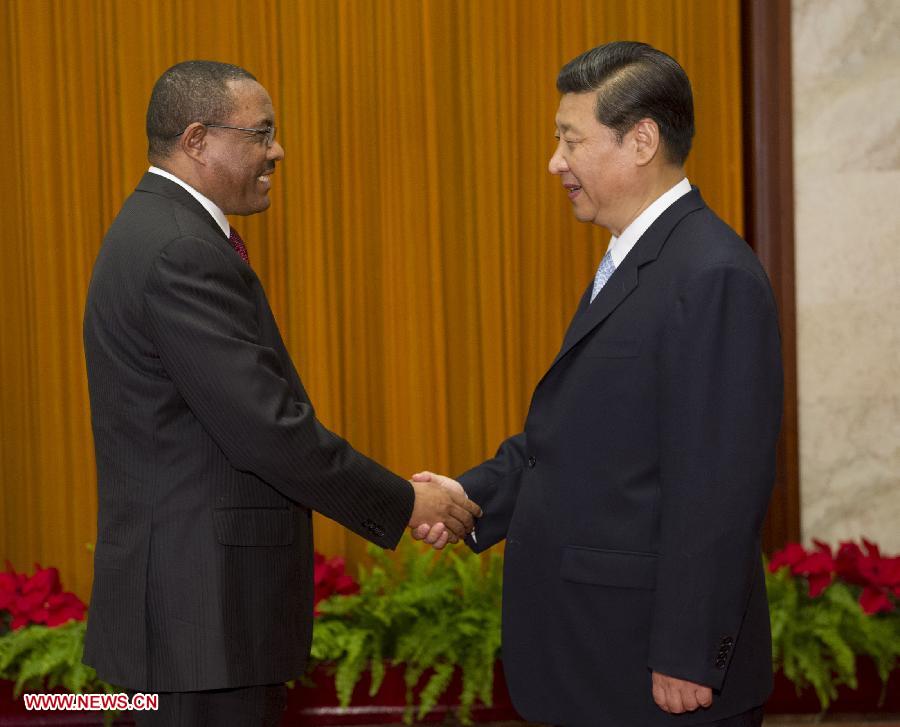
column 576, row 110
column 252, row 103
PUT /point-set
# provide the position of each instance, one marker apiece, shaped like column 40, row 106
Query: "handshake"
column 442, row 512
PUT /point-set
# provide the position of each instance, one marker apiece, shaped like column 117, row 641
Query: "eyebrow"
column 565, row 127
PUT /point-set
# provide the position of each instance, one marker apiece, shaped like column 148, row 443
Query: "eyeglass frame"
column 268, row 133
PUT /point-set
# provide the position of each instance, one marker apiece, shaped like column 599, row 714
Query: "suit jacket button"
column 532, row 461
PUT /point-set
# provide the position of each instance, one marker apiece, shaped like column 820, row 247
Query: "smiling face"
column 599, row 173
column 239, row 164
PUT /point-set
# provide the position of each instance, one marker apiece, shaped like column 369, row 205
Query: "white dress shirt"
column 207, row 203
column 620, row 246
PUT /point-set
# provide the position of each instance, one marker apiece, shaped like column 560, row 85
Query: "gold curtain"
column 421, row 261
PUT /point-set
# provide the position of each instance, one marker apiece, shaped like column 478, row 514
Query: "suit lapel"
column 583, row 304
column 625, row 279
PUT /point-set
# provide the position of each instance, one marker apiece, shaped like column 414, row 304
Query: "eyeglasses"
column 267, row 133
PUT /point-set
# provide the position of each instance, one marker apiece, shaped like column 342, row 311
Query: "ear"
column 646, row 141
column 193, row 141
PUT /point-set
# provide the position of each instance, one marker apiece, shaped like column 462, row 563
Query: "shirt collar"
column 208, row 204
column 620, row 246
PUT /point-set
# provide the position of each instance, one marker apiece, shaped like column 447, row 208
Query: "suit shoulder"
column 148, row 219
column 148, row 227
column 148, row 224
column 703, row 241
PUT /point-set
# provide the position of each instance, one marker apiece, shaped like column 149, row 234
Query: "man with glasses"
column 210, row 459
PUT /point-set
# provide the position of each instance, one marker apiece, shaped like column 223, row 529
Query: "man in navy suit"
column 632, row 502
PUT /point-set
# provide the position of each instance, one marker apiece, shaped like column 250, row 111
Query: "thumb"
column 424, row 476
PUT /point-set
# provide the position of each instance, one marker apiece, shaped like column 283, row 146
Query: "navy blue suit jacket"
column 633, row 501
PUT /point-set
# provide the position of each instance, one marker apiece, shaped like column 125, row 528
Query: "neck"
column 184, row 172
column 656, row 186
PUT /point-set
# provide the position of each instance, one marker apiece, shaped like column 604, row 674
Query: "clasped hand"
column 442, row 512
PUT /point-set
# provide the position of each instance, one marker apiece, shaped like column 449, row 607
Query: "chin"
column 584, row 210
column 253, row 209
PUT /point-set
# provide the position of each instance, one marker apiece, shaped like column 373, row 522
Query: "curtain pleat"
column 422, row 263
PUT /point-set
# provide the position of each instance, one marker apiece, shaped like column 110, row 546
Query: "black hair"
column 634, row 81
column 188, row 92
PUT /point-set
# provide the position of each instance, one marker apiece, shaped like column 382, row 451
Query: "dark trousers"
column 261, row 706
column 753, row 718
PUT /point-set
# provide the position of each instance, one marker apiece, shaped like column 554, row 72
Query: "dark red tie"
column 238, row 244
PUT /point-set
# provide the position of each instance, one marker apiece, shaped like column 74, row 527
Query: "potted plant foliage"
column 830, row 613
column 429, row 614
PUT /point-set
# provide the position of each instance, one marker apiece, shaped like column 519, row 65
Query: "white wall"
column 846, row 66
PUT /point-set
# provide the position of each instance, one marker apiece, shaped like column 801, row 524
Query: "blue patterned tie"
column 606, row 269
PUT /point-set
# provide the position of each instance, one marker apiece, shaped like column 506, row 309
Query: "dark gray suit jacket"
column 632, row 502
column 210, row 460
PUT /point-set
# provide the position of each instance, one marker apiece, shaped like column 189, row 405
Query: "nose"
column 275, row 152
column 558, row 163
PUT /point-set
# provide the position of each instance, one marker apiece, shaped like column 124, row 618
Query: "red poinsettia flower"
column 320, row 570
column 875, row 600
column 817, row 566
column 345, row 585
column 38, row 599
column 9, row 588
column 893, row 572
column 818, row 582
column 872, row 548
column 34, row 593
column 19, row 621
column 847, row 563
column 64, row 607
column 787, row 556
column 882, row 572
column 879, row 576
column 44, row 580
column 882, row 577
column 330, row 577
